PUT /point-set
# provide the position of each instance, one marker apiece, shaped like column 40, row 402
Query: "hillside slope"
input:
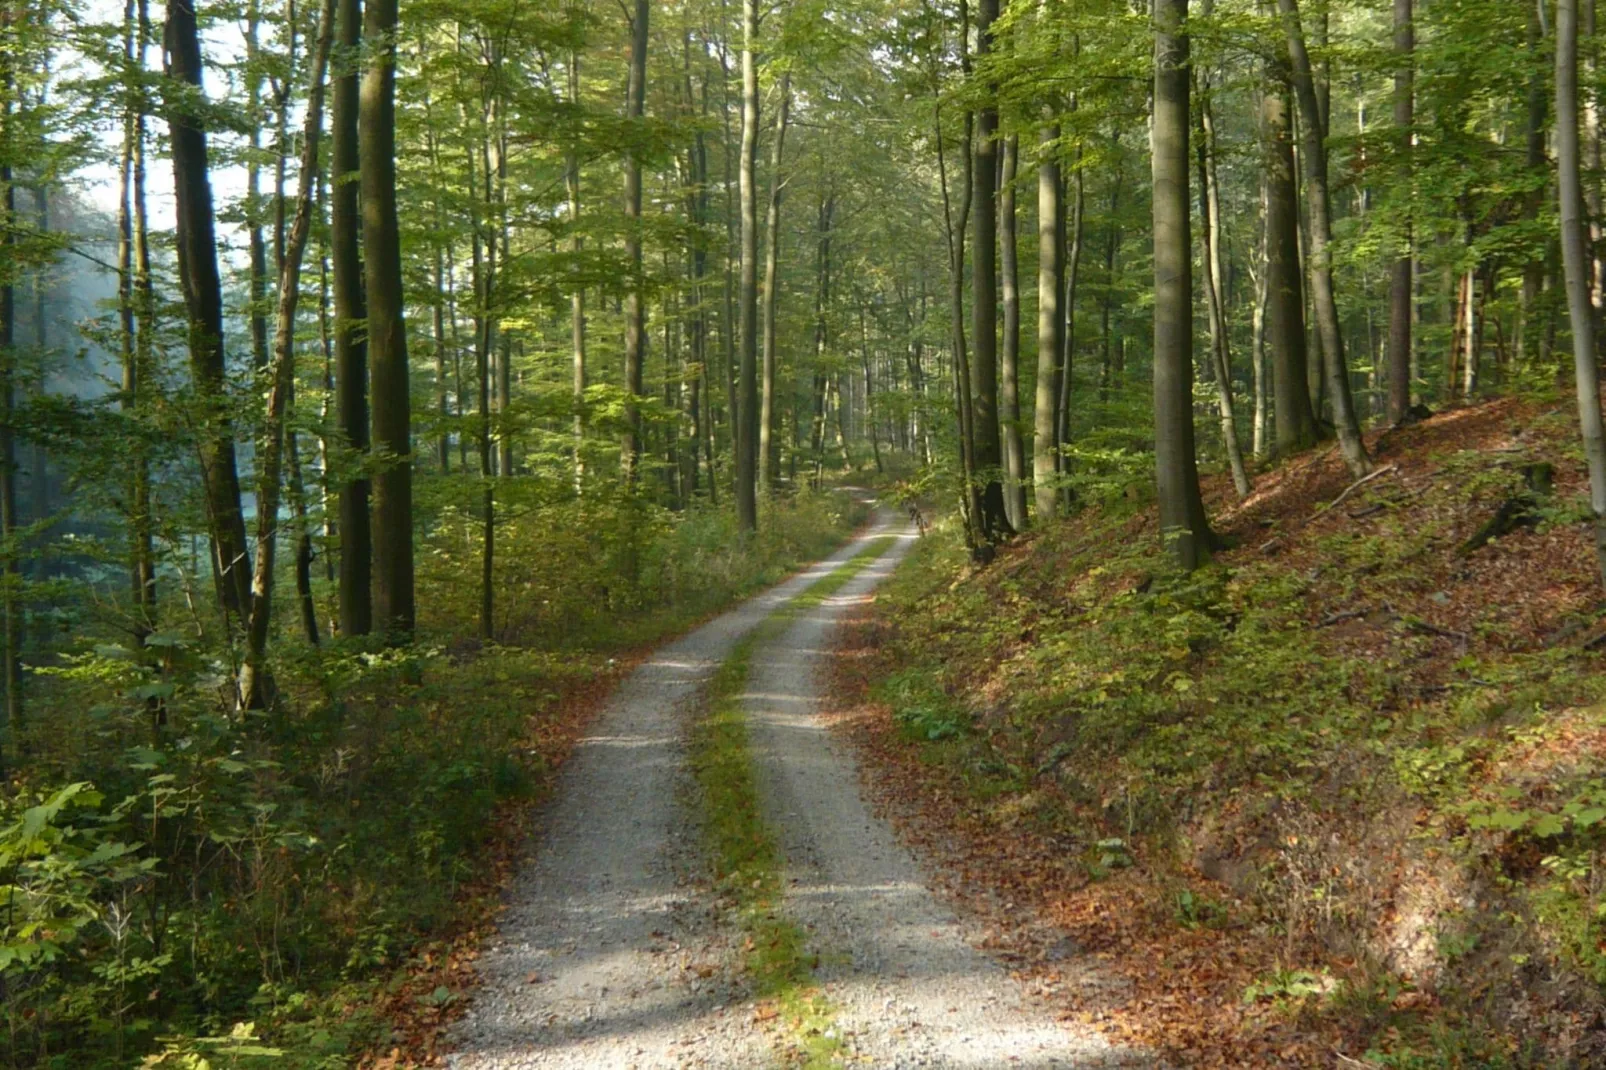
column 1334, row 800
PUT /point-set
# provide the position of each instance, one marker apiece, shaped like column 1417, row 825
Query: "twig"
column 1385, row 470
column 1339, row 618
column 1368, row 511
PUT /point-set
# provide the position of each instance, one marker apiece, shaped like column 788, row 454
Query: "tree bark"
column 255, row 689
column 635, row 299
column 1215, row 281
column 1050, row 283
column 994, row 521
column 747, row 391
column 768, row 441
column 351, row 339
column 577, row 293
column 11, row 713
column 196, row 239
column 1182, row 515
column 1009, row 395
column 1285, row 302
column 1323, row 299
column 1401, row 272
column 387, row 333
column 1576, row 263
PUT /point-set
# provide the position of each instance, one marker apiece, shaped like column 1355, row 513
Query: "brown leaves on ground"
column 1112, row 953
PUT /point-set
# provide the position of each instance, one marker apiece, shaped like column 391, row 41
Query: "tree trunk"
column 1323, row 298
column 1534, row 270
column 1400, row 271
column 1182, row 515
column 1064, row 375
column 387, row 333
column 1257, row 331
column 635, row 299
column 351, row 341
column 1050, row 282
column 768, row 441
column 257, row 314
column 203, row 299
column 994, row 521
column 577, row 295
column 255, row 689
column 1285, row 302
column 1577, row 266
column 1014, row 449
column 11, row 714
column 1215, row 282
column 747, row 394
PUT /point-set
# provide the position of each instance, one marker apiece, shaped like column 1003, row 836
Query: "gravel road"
column 611, row 953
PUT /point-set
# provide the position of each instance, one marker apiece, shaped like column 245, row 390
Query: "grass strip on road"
column 747, row 854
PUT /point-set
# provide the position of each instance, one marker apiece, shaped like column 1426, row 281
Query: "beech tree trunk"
column 1285, row 301
column 255, row 689
column 196, row 240
column 1215, row 281
column 1182, row 515
column 635, row 300
column 1324, row 301
column 387, row 333
column 577, row 295
column 988, row 446
column 350, row 331
column 1576, row 263
column 1401, row 271
column 1009, row 397
column 747, row 387
column 10, row 630
column 768, row 441
column 1050, row 282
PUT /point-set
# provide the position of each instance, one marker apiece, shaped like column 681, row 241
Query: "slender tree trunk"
column 1064, row 376
column 1285, row 302
column 1400, row 271
column 768, row 441
column 1112, row 245
column 1324, row 300
column 955, row 229
column 1257, row 337
column 1533, row 273
column 11, row 715
column 635, row 299
column 258, row 280
column 203, row 299
column 1215, row 279
column 145, row 303
column 387, row 332
column 984, row 296
column 1014, row 449
column 869, row 390
column 1576, row 264
column 351, row 340
column 577, row 294
column 1182, row 515
column 747, row 398
column 1050, row 284
column 255, row 689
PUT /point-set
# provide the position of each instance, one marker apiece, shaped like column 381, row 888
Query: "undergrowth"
column 1360, row 706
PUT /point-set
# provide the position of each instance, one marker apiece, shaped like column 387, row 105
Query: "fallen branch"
column 1353, row 487
column 1339, row 618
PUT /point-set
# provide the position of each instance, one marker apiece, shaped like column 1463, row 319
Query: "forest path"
column 897, row 966
column 613, row 953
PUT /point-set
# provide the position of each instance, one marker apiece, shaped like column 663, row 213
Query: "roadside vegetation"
column 1344, row 780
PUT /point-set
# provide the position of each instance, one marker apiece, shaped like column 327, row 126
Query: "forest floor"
column 625, row 944
column 1333, row 801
